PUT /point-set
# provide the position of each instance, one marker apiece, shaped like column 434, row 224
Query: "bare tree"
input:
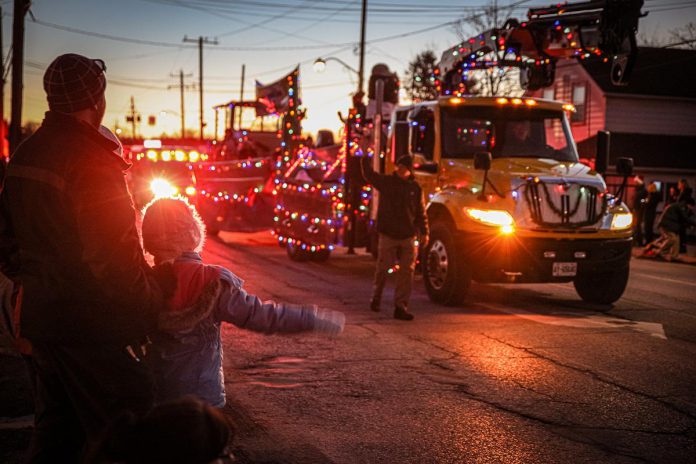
column 684, row 37
column 495, row 80
column 420, row 83
column 651, row 38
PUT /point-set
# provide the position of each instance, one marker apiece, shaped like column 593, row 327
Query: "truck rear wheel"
column 445, row 273
column 602, row 287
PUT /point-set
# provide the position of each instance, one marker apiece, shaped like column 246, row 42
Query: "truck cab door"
column 422, row 141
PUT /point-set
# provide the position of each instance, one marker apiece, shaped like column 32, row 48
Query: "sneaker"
column 374, row 305
column 402, row 314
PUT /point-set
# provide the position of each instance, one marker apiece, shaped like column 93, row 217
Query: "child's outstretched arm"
column 249, row 312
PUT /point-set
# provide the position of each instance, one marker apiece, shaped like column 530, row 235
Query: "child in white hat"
column 187, row 355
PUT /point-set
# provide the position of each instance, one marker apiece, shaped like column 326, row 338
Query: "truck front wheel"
column 602, row 287
column 446, row 274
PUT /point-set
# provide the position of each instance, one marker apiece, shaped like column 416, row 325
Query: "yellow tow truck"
column 508, row 200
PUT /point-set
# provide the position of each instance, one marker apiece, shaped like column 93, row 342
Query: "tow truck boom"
column 604, row 28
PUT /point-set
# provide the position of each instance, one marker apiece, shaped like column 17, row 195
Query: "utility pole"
column 201, row 41
column 241, row 99
column 2, row 95
column 133, row 117
column 363, row 27
column 353, row 163
column 21, row 7
column 182, row 87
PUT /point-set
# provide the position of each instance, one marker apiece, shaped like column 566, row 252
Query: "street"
column 522, row 373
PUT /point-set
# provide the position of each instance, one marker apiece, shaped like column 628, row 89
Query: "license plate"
column 565, row 269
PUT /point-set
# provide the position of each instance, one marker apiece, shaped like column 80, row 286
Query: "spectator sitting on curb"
column 674, row 219
column 187, row 353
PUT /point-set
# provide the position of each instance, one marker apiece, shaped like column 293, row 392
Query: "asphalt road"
column 518, row 374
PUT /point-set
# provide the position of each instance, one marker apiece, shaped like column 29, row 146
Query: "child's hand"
column 329, row 322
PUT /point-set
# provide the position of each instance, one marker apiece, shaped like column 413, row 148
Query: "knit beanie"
column 405, row 161
column 74, row 82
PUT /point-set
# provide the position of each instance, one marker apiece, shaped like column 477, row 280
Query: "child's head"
column 171, row 226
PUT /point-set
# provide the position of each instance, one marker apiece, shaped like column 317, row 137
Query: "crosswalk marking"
column 583, row 320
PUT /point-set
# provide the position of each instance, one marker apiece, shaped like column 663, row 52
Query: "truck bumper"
column 514, row 259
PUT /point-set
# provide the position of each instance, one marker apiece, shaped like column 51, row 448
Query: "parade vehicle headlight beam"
column 162, row 188
column 621, row 221
column 493, row 217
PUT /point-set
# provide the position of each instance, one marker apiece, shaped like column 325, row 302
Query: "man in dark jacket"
column 68, row 235
column 402, row 224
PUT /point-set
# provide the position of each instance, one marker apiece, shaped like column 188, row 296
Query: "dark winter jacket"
column 187, row 352
column 67, row 232
column 401, row 212
column 675, row 217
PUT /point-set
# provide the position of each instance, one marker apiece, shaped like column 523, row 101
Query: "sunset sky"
column 144, row 48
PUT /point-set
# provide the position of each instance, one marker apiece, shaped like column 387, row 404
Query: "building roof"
column 663, row 72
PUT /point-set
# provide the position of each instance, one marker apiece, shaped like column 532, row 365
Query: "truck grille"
column 563, row 204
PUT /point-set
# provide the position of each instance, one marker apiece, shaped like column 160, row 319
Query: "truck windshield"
column 506, row 132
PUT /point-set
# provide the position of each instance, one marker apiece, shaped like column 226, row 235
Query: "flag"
column 275, row 98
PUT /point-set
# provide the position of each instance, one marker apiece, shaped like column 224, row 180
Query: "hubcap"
column 437, row 265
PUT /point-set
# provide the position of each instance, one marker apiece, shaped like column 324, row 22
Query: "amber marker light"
column 516, row 101
column 456, row 100
column 569, row 107
column 530, row 102
column 501, row 101
column 507, row 230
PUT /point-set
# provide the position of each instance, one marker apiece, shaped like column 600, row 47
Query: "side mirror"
column 603, row 148
column 624, row 167
column 482, row 161
column 431, row 168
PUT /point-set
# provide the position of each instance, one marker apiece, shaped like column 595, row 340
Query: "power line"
column 108, row 36
column 260, row 25
column 177, row 45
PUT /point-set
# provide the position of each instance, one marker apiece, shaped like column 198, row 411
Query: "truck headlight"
column 621, row 221
column 492, row 217
column 162, row 188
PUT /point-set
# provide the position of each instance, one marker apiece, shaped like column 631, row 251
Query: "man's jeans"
column 395, row 256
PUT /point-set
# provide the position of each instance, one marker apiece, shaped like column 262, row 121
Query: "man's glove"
column 329, row 322
column 165, row 278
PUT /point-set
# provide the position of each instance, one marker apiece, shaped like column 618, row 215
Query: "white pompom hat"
column 171, row 226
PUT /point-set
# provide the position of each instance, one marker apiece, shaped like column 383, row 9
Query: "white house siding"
column 632, row 114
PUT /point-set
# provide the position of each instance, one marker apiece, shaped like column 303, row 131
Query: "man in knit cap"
column 68, row 236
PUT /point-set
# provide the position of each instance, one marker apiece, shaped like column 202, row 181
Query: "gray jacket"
column 187, row 354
